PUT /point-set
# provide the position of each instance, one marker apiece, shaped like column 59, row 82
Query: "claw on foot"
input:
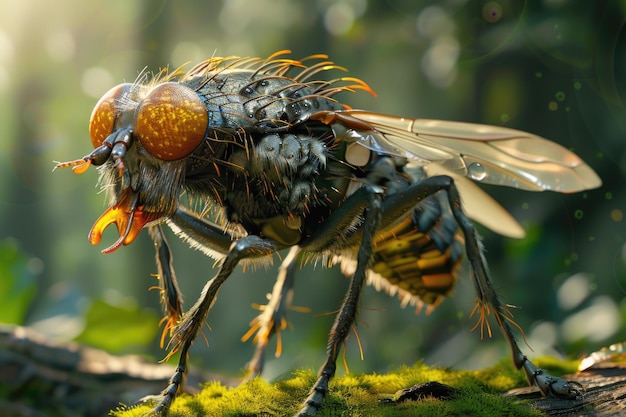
column 551, row 385
column 161, row 403
column 149, row 401
column 558, row 387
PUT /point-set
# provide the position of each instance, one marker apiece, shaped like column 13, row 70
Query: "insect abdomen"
column 420, row 255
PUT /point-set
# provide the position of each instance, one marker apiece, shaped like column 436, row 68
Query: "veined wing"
column 488, row 154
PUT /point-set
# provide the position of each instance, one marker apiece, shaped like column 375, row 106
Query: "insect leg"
column 488, row 301
column 212, row 239
column 184, row 333
column 349, row 308
column 171, row 296
column 272, row 319
column 487, row 298
column 193, row 228
column 209, row 237
column 339, row 227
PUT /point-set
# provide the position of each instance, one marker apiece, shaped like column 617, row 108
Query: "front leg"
column 349, row 308
column 171, row 297
column 201, row 234
column 185, row 332
column 198, row 232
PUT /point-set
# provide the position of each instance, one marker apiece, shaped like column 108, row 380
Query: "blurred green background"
column 554, row 67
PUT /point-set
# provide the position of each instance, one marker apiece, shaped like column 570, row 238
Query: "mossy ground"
column 478, row 394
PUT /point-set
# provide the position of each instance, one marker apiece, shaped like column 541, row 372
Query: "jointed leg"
column 170, row 293
column 187, row 329
column 488, row 300
column 200, row 233
column 212, row 239
column 272, row 319
column 348, row 311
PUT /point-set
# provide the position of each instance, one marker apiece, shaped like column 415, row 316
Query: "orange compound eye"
column 171, row 121
column 103, row 116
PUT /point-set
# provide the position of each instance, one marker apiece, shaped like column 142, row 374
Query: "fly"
column 278, row 163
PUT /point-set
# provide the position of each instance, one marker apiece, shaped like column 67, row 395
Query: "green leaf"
column 116, row 328
column 18, row 283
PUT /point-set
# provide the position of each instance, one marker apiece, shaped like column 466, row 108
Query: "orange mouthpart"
column 127, row 216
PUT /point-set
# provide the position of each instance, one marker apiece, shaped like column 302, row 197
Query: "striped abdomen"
column 418, row 257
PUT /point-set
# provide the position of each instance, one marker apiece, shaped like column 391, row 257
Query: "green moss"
column 556, row 366
column 478, row 393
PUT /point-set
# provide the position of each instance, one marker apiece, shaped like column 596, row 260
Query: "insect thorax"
column 279, row 175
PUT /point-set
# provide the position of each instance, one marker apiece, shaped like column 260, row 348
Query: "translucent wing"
column 488, row 154
column 480, row 206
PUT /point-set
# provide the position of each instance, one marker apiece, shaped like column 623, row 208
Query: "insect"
column 276, row 162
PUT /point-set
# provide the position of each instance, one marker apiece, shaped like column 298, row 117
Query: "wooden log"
column 40, row 377
column 605, row 395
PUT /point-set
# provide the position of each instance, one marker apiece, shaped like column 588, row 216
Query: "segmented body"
column 257, row 165
column 283, row 185
column 273, row 172
column 276, row 162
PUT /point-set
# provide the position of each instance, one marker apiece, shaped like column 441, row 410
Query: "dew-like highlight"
column 476, row 171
